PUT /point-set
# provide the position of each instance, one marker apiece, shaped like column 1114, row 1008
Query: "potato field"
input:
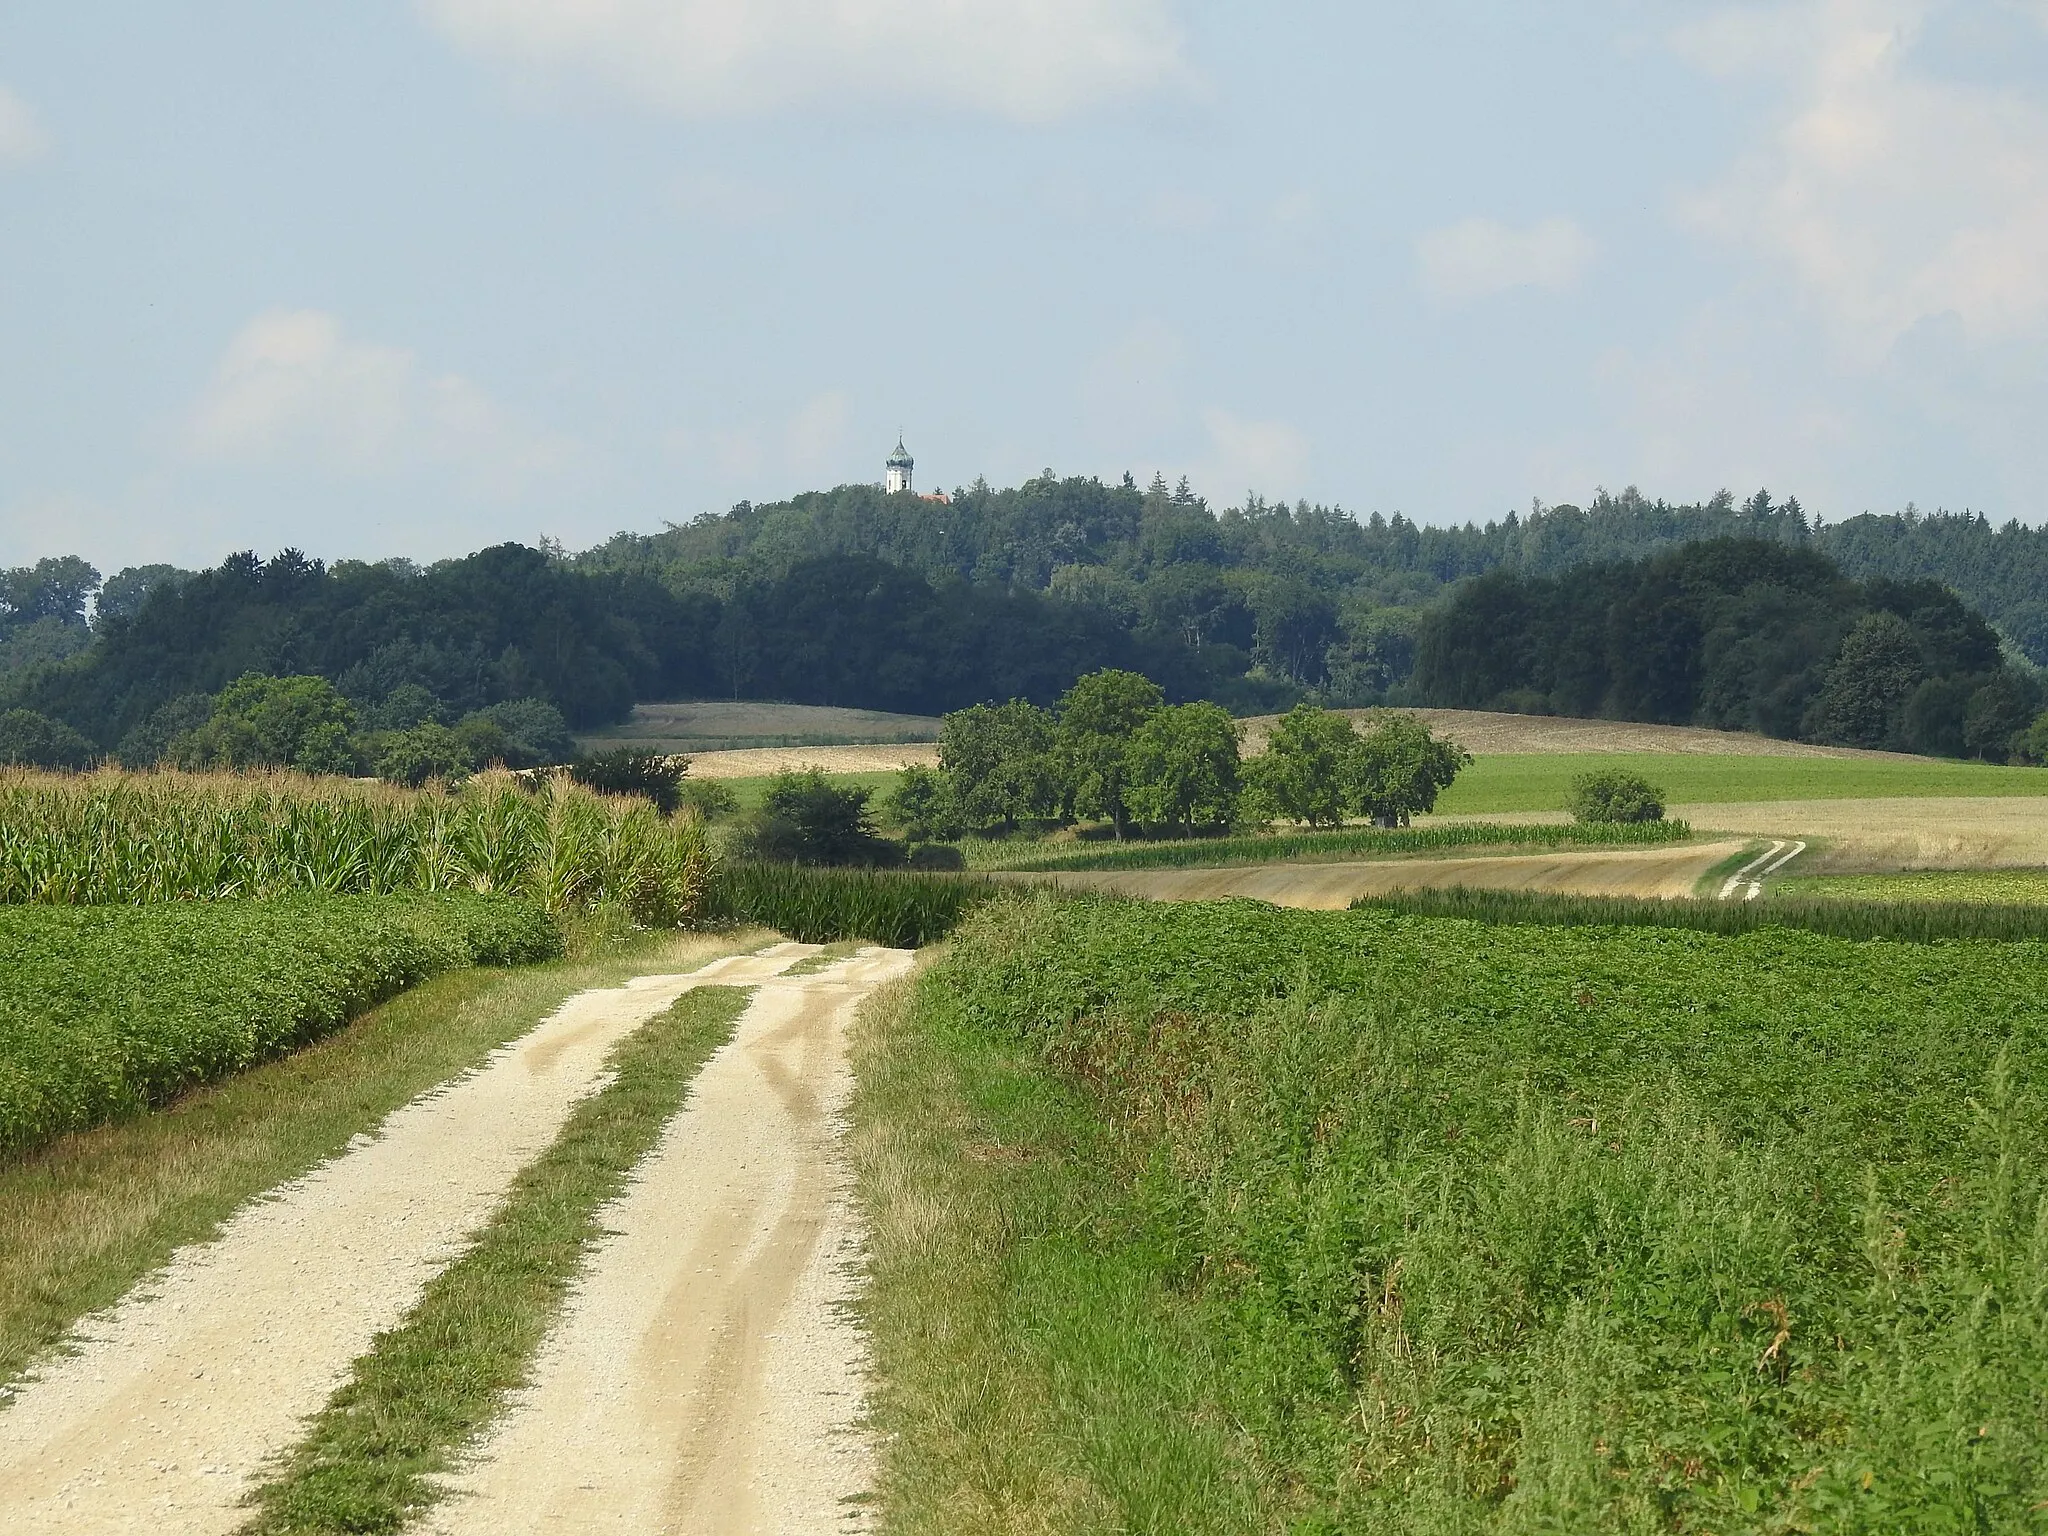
column 1378, row 1222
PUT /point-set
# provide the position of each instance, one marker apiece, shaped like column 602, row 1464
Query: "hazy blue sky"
column 411, row 276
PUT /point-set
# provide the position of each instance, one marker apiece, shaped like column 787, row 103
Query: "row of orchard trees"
column 1114, row 750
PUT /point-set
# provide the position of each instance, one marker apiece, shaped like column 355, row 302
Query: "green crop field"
column 1228, row 1218
column 2014, row 887
column 1540, row 781
column 104, row 1010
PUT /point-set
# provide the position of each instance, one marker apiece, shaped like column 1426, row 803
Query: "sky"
column 411, row 277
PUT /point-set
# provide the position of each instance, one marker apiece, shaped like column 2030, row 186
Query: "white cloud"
column 1023, row 59
column 1269, row 457
column 293, row 389
column 21, row 133
column 1479, row 257
column 1888, row 194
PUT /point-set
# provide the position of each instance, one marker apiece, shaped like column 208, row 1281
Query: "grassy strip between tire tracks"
column 85, row 1217
column 1265, row 848
column 1908, row 921
column 429, row 1386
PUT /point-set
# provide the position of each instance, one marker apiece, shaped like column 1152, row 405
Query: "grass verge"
column 427, row 1387
column 85, row 1217
column 1033, row 1373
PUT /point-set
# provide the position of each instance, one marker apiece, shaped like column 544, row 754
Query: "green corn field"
column 128, row 839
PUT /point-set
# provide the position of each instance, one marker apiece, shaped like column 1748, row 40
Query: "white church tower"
column 900, row 466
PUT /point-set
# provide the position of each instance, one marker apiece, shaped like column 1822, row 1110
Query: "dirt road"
column 1634, row 872
column 705, row 1378
column 179, row 1394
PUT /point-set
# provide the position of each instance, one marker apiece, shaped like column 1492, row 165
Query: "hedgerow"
column 900, row 908
column 109, row 1009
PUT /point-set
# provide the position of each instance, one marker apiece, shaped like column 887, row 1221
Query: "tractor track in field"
column 174, row 1402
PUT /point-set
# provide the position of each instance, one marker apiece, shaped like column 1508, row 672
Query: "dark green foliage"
column 1208, row 852
column 1401, row 768
column 1609, row 796
column 534, row 732
column 1091, row 746
column 1469, row 1227
column 428, row 751
column 272, row 722
column 998, row 765
column 924, row 805
column 1306, row 772
column 902, row 909
column 654, row 776
column 805, row 818
column 1184, row 768
column 104, row 1010
column 1914, row 922
column 128, row 589
column 36, row 741
column 1742, row 635
column 711, row 799
column 376, row 1454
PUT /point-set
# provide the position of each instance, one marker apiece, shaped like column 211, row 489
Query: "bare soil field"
column 716, row 724
column 1655, row 872
column 1488, row 732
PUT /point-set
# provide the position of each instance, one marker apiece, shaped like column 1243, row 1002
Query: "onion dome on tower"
column 899, row 467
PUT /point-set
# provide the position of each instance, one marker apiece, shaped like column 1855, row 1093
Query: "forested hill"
column 856, row 597
column 1736, row 633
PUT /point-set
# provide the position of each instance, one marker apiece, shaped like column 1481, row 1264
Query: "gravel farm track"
column 704, row 1335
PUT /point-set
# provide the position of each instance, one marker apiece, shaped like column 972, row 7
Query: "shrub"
column 1610, row 797
column 656, row 776
column 36, row 741
column 823, row 906
column 807, row 819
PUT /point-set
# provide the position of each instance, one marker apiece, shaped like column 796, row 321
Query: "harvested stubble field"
column 1644, row 872
column 713, row 725
column 2015, row 887
column 1222, row 1218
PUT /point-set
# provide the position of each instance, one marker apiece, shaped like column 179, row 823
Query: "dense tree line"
column 1740, row 634
column 858, row 597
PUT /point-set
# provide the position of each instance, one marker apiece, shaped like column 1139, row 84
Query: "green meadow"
column 1539, row 781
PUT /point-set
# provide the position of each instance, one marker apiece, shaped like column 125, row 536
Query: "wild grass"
column 371, row 1459
column 84, row 1217
column 108, row 1010
column 899, row 908
column 1033, row 1373
column 1442, row 1226
column 127, row 839
column 1539, row 781
column 1345, row 843
column 1850, row 916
